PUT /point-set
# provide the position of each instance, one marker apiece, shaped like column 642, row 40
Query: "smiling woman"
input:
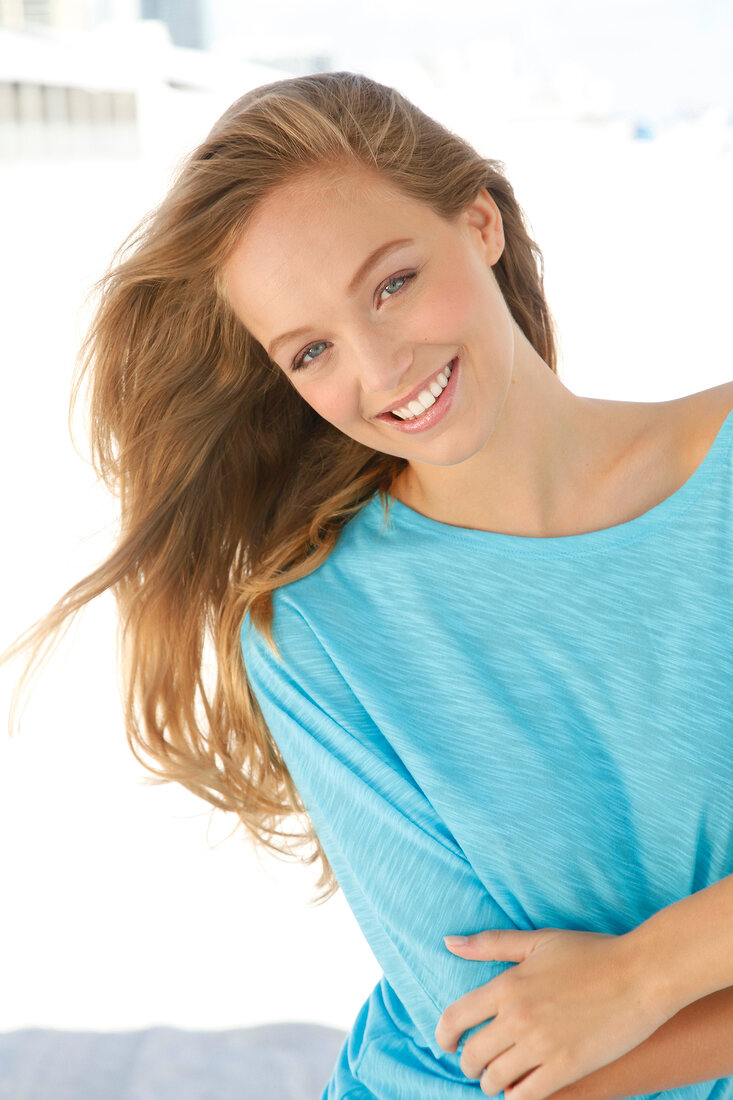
column 388, row 331
column 451, row 603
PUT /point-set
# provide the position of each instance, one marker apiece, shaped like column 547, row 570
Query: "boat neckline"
column 585, row 541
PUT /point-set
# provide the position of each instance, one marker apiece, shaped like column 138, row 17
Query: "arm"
column 402, row 873
column 694, row 1045
column 579, row 1001
column 690, row 945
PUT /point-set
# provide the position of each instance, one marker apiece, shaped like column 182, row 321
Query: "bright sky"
column 659, row 56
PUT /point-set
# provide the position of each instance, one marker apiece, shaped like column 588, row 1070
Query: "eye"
column 396, row 279
column 303, row 360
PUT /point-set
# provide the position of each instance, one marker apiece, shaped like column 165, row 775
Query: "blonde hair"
column 230, row 485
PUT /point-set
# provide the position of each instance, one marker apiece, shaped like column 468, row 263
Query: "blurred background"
column 127, row 905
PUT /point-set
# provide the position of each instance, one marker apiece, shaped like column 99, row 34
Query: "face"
column 369, row 337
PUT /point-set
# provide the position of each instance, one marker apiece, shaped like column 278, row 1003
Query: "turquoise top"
column 499, row 731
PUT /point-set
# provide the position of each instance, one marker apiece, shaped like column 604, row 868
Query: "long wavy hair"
column 230, row 484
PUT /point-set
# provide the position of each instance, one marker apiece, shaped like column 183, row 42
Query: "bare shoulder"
column 696, row 420
column 662, row 443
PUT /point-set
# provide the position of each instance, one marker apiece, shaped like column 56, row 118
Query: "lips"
column 434, row 415
column 412, row 395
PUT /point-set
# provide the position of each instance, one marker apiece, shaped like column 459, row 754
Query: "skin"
column 518, row 452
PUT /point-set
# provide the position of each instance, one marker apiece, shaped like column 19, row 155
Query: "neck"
column 543, row 463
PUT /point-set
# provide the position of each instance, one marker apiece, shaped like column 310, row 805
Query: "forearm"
column 689, row 945
column 694, row 1045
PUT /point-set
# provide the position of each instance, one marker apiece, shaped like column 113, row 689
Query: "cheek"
column 333, row 402
column 451, row 312
column 459, row 306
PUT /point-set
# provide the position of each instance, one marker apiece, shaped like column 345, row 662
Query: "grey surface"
column 288, row 1061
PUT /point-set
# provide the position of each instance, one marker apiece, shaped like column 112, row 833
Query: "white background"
column 123, row 905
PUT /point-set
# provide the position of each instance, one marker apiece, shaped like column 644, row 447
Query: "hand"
column 575, row 1002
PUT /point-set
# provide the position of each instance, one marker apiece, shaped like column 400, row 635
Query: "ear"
column 485, row 225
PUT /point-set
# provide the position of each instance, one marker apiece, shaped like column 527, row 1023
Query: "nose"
column 381, row 362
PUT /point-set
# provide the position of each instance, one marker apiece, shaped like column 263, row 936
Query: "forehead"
column 318, row 200
column 306, row 240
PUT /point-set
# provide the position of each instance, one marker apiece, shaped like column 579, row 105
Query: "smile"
column 426, row 398
column 429, row 407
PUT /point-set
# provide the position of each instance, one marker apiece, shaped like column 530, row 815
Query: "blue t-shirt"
column 499, row 731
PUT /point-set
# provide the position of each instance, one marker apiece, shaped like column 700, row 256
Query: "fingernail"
column 455, row 941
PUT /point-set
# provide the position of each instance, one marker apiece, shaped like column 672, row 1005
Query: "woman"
column 461, row 616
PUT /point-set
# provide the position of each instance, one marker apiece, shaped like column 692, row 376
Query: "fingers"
column 472, row 1008
column 485, row 1051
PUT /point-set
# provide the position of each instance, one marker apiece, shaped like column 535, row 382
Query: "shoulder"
column 695, row 421
column 659, row 445
column 714, row 406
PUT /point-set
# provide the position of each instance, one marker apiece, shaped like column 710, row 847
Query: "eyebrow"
column 362, row 272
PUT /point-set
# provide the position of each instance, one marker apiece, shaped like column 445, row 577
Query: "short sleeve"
column 402, row 873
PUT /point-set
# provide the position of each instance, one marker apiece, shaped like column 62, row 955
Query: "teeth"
column 425, row 398
column 422, row 402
